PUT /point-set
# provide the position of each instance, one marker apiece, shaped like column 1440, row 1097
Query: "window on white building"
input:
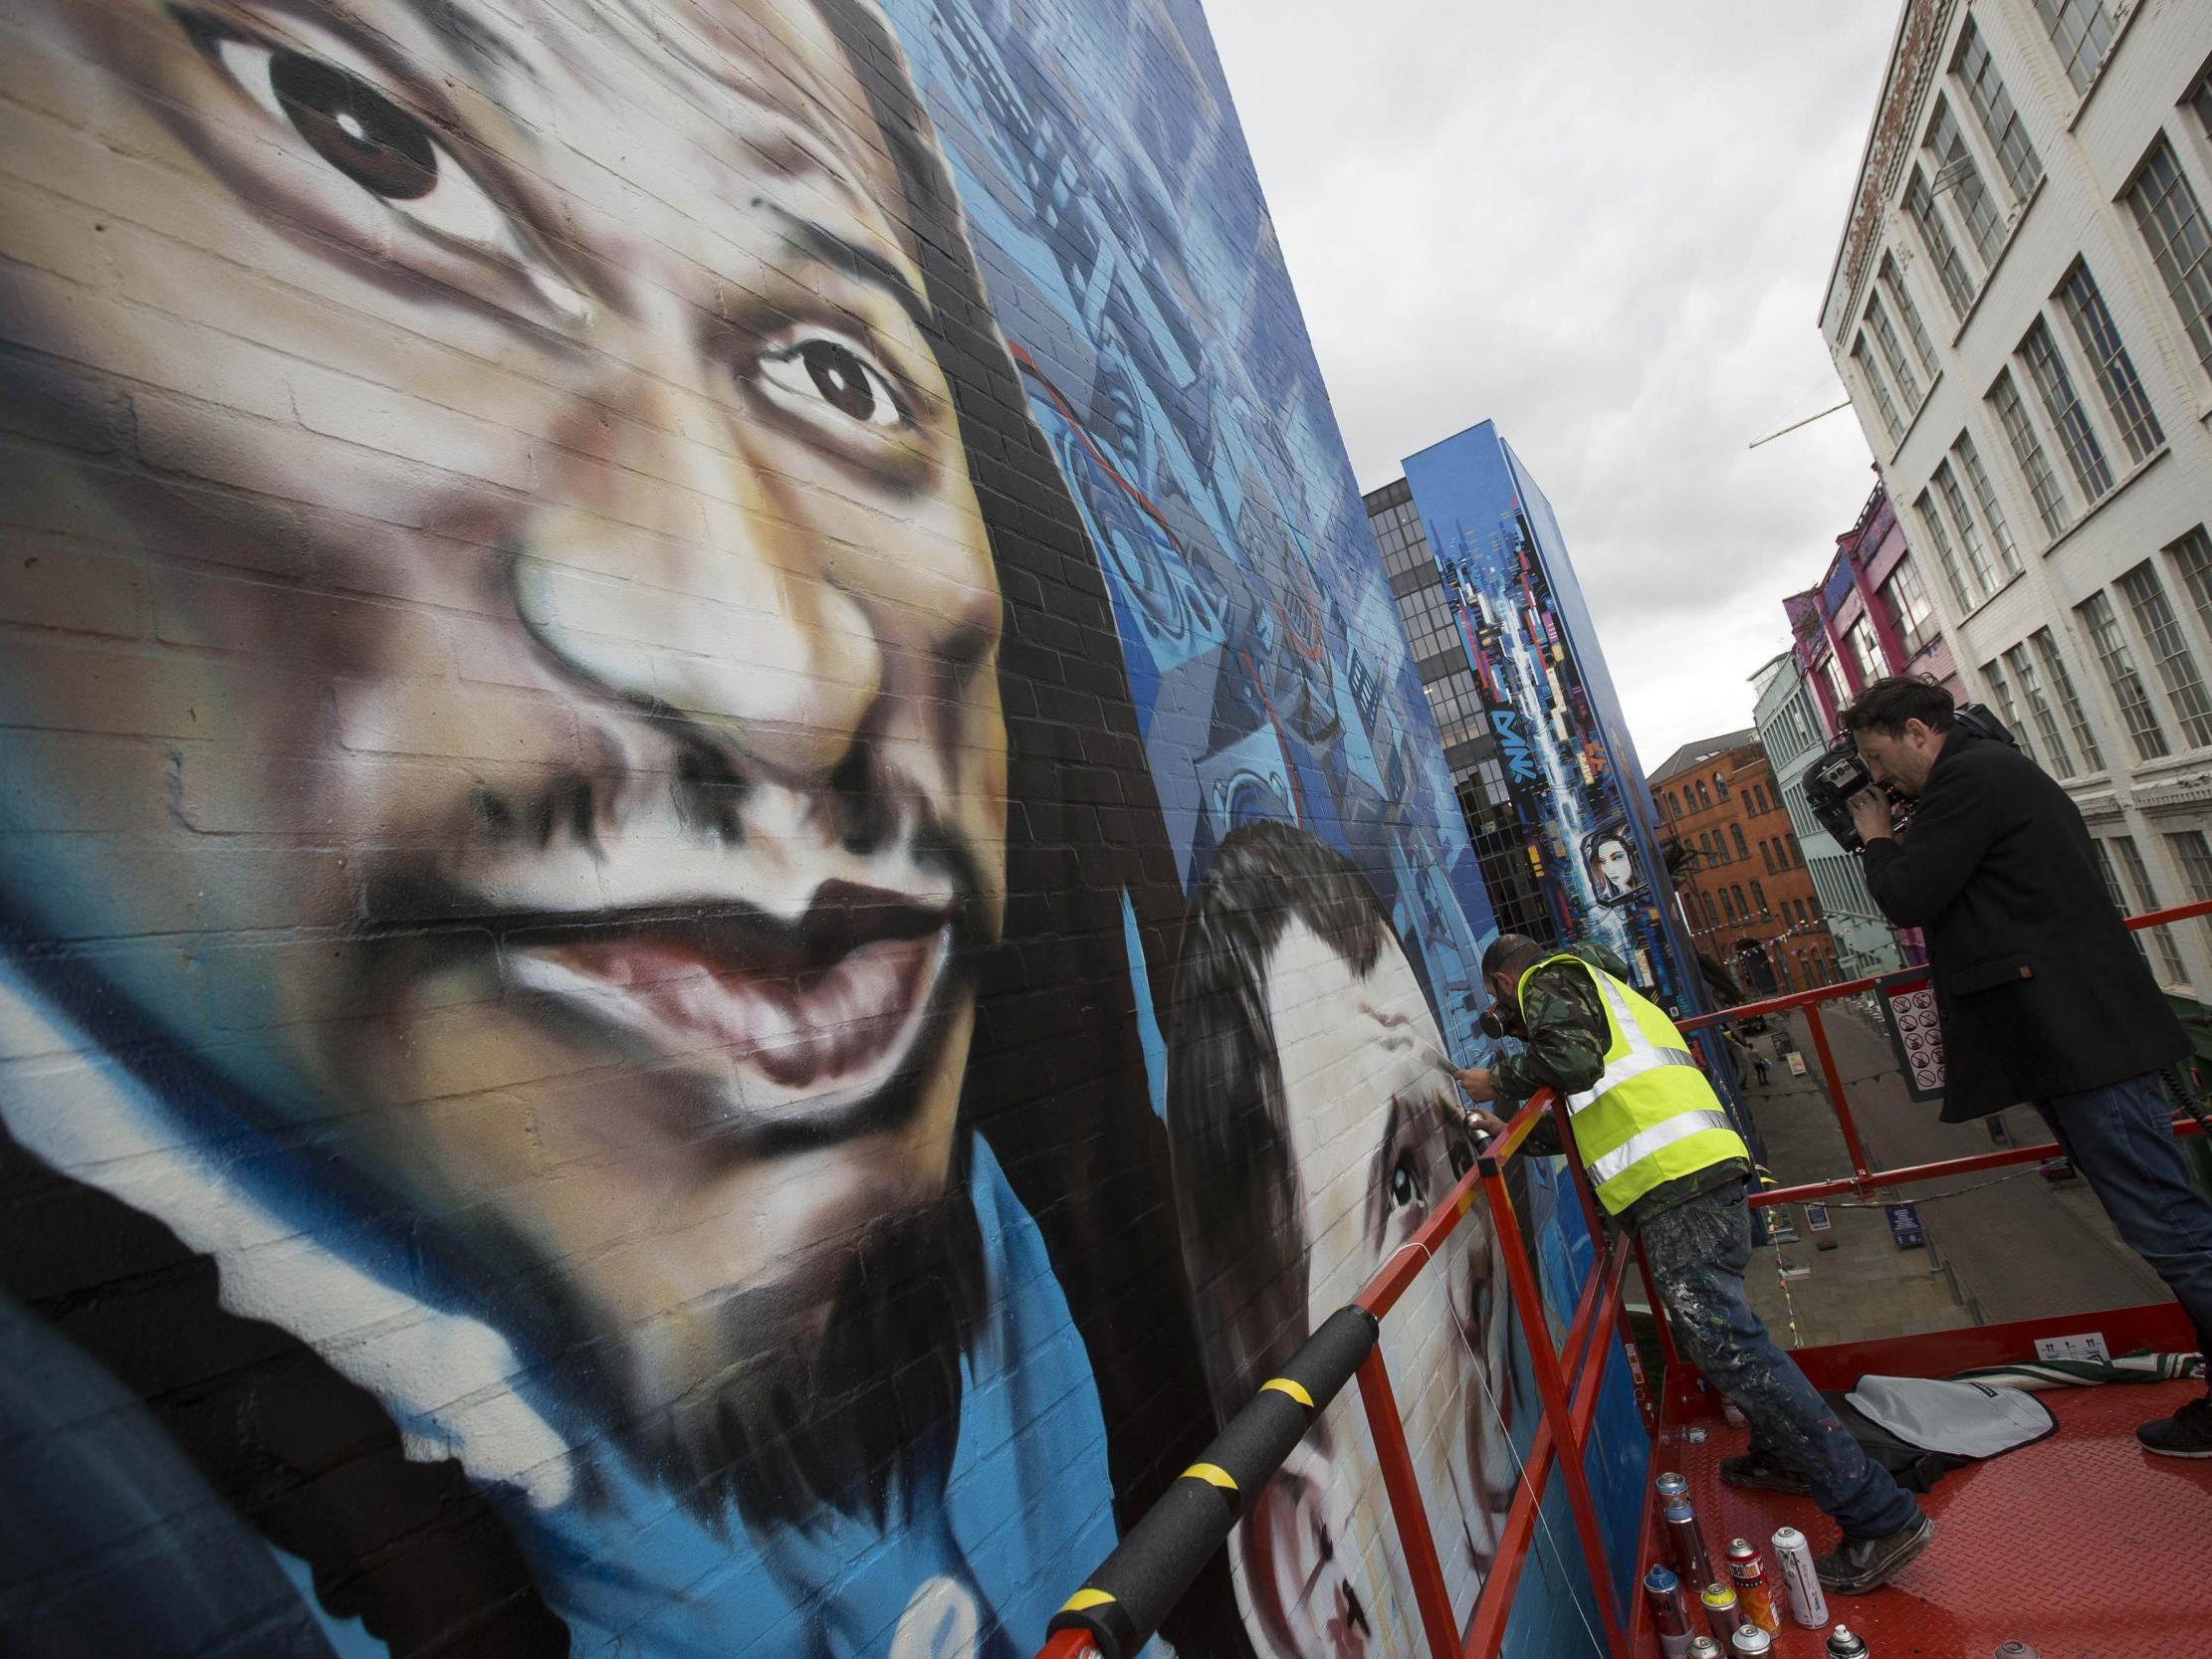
column 1957, row 175
column 2027, row 449
column 2141, row 896
column 2000, row 693
column 1893, row 424
column 2194, row 854
column 1891, row 282
column 1946, row 558
column 2109, row 361
column 2192, row 562
column 2049, row 739
column 2082, row 29
column 1992, row 105
column 1935, row 235
column 2169, row 651
column 2174, row 228
column 2060, row 402
column 1969, row 533
column 1907, row 604
column 2062, row 681
column 1985, row 497
column 1893, row 351
column 2119, row 663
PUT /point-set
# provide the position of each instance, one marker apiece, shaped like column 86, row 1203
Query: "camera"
column 1839, row 773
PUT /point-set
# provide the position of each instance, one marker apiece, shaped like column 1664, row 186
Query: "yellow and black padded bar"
column 1134, row 1589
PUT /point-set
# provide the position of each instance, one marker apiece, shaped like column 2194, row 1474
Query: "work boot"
column 1860, row 1564
column 2187, row 1433
column 1757, row 1472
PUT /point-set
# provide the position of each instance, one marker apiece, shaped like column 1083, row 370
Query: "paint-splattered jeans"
column 1698, row 1250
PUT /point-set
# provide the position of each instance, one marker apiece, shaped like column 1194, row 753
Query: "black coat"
column 2038, row 988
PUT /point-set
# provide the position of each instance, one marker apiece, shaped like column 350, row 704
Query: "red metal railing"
column 1568, row 1376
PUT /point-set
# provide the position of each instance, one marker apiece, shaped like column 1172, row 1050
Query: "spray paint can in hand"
column 1793, row 1564
column 1685, row 1540
column 1751, row 1640
column 1844, row 1645
column 1754, row 1595
column 1670, row 1616
column 1722, row 1616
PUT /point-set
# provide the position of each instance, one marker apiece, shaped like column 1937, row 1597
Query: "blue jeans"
column 1698, row 1250
column 2121, row 1138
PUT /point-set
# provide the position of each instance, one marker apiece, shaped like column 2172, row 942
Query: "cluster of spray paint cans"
column 1742, row 1606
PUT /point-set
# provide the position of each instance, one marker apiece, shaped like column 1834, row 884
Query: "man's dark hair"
column 1887, row 704
column 1508, row 951
column 1236, row 1170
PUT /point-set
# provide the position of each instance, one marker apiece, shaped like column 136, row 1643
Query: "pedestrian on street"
column 1668, row 1164
column 1761, row 1064
column 2039, row 990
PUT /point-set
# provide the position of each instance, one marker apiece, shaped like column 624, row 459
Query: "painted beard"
column 850, row 1400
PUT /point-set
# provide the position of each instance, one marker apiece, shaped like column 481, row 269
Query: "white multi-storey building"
column 2021, row 310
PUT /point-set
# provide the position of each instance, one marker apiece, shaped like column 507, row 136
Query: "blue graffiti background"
column 1137, row 279
column 1570, row 767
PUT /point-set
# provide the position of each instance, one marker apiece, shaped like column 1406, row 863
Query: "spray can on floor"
column 1669, row 1617
column 1751, row 1640
column 1722, row 1616
column 1755, row 1593
column 1844, row 1645
column 1704, row 1647
column 1671, row 1485
column 1793, row 1564
column 1686, row 1542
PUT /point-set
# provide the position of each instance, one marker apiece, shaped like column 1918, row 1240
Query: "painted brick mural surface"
column 722, row 889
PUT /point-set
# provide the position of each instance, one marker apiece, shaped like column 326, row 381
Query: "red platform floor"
column 2083, row 1546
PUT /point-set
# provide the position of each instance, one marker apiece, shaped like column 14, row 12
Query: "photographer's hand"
column 1869, row 814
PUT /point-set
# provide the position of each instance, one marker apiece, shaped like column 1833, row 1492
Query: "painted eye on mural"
column 1404, row 1181
column 827, row 377
column 368, row 137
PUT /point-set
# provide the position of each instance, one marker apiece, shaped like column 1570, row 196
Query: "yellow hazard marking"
column 1283, row 1385
column 1210, row 1473
column 1083, row 1601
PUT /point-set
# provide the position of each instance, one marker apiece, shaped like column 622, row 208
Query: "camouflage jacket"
column 1564, row 1049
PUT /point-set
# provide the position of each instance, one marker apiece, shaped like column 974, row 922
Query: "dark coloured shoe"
column 1857, row 1566
column 1758, row 1472
column 2187, row 1433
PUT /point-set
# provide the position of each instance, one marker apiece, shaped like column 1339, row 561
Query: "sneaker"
column 2187, row 1433
column 1760, row 1473
column 1860, row 1564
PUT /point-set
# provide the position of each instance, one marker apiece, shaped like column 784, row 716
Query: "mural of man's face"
column 1365, row 1107
column 565, row 612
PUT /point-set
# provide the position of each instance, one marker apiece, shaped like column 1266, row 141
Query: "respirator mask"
column 1500, row 1020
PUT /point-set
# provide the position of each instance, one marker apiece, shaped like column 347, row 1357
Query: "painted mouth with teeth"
column 807, row 1018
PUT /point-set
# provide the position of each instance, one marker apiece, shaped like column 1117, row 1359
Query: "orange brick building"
column 1746, row 896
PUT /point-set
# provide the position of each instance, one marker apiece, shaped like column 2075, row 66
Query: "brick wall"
column 693, row 707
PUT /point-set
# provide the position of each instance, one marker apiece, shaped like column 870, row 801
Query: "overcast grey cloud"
column 1607, row 226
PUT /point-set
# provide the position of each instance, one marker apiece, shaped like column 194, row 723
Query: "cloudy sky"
column 1607, row 226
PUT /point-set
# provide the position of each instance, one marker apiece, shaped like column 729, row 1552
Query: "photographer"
column 2040, row 993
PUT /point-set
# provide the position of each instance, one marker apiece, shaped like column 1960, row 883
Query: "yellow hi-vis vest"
column 1651, row 1118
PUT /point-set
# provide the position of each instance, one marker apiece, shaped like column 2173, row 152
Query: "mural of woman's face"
column 1367, row 1115
column 538, row 533
column 1615, row 867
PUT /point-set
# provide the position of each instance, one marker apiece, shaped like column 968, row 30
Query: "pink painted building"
column 1868, row 616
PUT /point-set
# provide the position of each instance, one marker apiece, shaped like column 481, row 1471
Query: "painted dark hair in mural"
column 1056, row 1081
column 1236, row 1170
